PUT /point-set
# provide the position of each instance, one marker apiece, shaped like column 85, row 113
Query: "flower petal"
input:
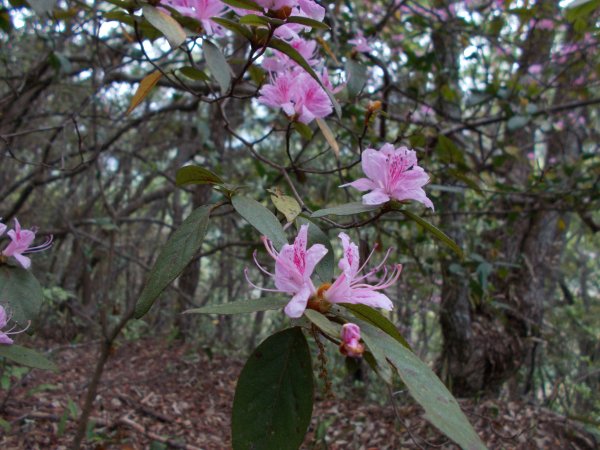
column 377, row 197
column 371, row 298
column 374, row 165
column 362, row 184
column 295, row 308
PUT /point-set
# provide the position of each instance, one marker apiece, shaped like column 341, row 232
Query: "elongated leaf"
column 217, row 64
column 260, row 218
column 324, row 269
column 177, row 253
column 242, row 306
column 274, row 395
column 41, row 7
column 144, row 89
column 21, row 292
column 374, row 317
column 26, row 357
column 357, row 77
column 243, row 4
column 308, row 22
column 194, row 74
column 324, row 324
column 163, row 22
column 329, row 136
column 347, row 209
column 196, row 175
column 437, row 233
column 441, row 408
column 234, row 26
column 254, row 20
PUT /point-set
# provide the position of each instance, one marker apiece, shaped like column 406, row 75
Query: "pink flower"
column 360, row 43
column 294, row 265
column 298, row 94
column 351, row 288
column 391, row 174
column 535, row 69
column 201, row 10
column 4, row 319
column 350, row 345
column 20, row 244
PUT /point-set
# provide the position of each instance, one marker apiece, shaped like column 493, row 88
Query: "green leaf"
column 233, row 26
column 165, row 24
column 357, row 77
column 374, row 317
column 241, row 306
column 273, row 400
column 196, row 175
column 194, row 74
column 41, row 7
column 347, row 209
column 177, row 253
column 254, row 20
column 21, row 292
column 26, row 357
column 260, row 218
column 323, row 323
column 243, row 4
column 324, row 269
column 517, row 122
column 304, row 130
column 217, row 64
column 441, row 408
column 437, row 233
column 308, row 22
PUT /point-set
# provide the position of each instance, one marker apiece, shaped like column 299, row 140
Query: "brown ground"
column 150, row 394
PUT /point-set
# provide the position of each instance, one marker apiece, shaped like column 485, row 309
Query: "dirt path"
column 154, row 397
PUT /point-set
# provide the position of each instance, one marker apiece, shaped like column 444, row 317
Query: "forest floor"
column 157, row 397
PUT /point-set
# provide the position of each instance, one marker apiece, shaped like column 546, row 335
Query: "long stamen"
column 255, row 286
column 377, row 268
column 40, row 248
column 364, row 264
column 261, row 268
column 18, row 332
column 269, row 246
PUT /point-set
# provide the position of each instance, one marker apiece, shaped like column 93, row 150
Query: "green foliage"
column 177, row 253
column 241, row 306
column 26, row 357
column 273, row 398
column 348, row 209
column 260, row 218
column 21, row 292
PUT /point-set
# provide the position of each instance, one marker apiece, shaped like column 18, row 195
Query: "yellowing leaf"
column 286, row 205
column 329, row 137
column 165, row 24
column 143, row 89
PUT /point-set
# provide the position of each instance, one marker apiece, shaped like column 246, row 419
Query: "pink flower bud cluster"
column 351, row 345
column 20, row 244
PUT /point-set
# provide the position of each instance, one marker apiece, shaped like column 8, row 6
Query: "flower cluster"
column 4, row 335
column 20, row 244
column 294, row 266
column 290, row 88
column 392, row 174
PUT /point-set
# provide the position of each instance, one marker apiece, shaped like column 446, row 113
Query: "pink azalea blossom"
column 298, row 94
column 201, row 10
column 535, row 69
column 349, row 287
column 4, row 319
column 360, row 43
column 392, row 174
column 20, row 244
column 294, row 265
column 351, row 345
